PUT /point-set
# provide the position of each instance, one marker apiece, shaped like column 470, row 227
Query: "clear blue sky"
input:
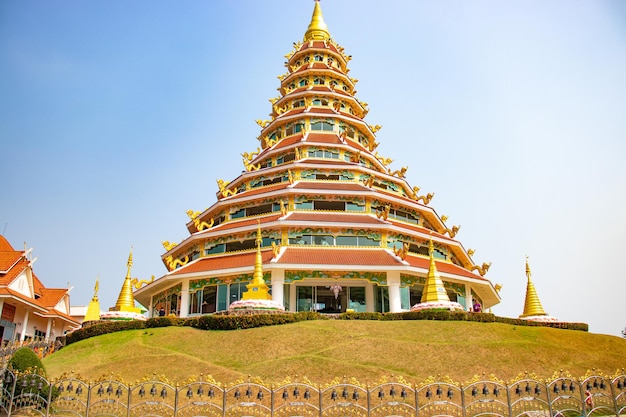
column 117, row 117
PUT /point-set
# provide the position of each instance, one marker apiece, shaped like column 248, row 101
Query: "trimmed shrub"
column 24, row 359
column 164, row 322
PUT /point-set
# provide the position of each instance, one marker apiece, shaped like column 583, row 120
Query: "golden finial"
column 317, row 30
column 532, row 305
column 129, row 264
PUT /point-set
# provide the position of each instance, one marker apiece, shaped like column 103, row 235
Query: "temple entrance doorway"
column 330, row 299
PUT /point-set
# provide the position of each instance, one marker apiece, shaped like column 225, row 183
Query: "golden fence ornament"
column 560, row 396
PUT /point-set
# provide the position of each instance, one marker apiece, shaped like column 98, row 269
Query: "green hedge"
column 446, row 315
column 103, row 327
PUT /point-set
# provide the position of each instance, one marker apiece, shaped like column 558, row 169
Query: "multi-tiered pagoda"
column 339, row 229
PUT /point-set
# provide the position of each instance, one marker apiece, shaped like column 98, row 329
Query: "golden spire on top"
column 433, row 289
column 126, row 301
column 532, row 305
column 317, row 30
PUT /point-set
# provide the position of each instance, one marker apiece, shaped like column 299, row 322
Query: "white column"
column 184, row 299
column 369, row 297
column 468, row 298
column 393, row 280
column 278, row 280
column 24, row 326
column 48, row 329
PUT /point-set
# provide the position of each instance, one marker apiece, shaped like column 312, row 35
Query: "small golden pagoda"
column 435, row 295
column 533, row 310
column 93, row 309
column 257, row 296
column 126, row 301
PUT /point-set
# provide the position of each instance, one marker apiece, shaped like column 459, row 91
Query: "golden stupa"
column 533, row 310
column 93, row 309
column 435, row 295
column 126, row 301
column 257, row 296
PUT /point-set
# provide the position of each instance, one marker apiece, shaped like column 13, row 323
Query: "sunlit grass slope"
column 325, row 349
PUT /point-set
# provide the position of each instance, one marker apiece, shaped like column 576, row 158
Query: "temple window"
column 318, row 81
column 333, row 83
column 298, row 103
column 322, row 240
column 330, row 61
column 327, row 177
column 276, row 134
column 295, row 128
column 318, row 57
column 303, row 82
column 298, row 63
column 307, row 58
column 260, row 209
column 346, row 128
column 363, row 140
column 355, row 207
column 403, row 216
column 304, row 205
column 329, row 205
column 323, row 153
column 238, row 214
column 356, row 241
column 220, row 248
column 323, row 126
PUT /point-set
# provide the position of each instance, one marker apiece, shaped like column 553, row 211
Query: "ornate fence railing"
column 32, row 394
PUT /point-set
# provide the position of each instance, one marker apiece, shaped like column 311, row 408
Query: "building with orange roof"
column 29, row 309
column 341, row 230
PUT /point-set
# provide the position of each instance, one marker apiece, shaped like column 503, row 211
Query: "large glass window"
column 405, row 299
column 237, row 290
column 305, row 299
column 381, row 299
column 357, row 299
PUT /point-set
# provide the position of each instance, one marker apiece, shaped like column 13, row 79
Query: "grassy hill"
column 325, row 349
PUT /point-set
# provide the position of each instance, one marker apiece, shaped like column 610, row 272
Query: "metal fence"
column 32, row 394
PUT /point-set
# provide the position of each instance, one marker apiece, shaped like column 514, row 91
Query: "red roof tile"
column 323, row 138
column 445, row 267
column 261, row 190
column 5, row 246
column 8, row 259
column 14, row 272
column 51, row 296
column 338, row 256
column 216, row 263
